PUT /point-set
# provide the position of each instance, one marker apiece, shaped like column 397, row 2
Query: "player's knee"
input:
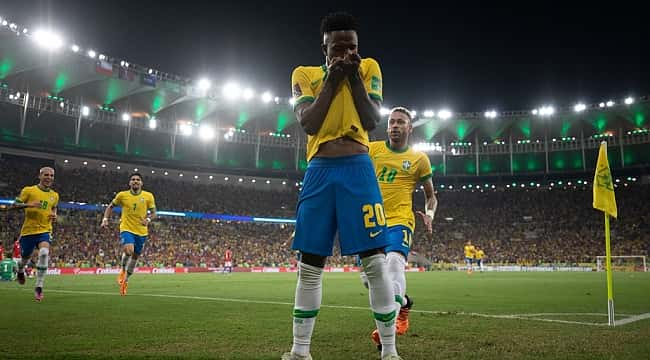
column 44, row 251
column 313, row 260
column 374, row 266
column 309, row 276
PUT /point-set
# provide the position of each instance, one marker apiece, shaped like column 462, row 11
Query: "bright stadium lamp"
column 47, row 39
column 85, row 111
column 384, row 111
column 126, row 117
column 74, row 48
column 491, row 114
column 292, row 101
column 629, row 101
column 248, row 93
column 92, row 54
column 444, row 114
column 610, row 103
column 153, row 123
column 204, row 84
column 206, row 132
column 429, row 113
column 232, row 91
column 579, row 107
column 185, row 129
column 267, row 97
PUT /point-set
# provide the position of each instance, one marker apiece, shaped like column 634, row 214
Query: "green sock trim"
column 399, row 300
column 305, row 314
column 384, row 317
column 41, row 268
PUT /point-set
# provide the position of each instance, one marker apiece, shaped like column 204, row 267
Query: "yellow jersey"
column 469, row 251
column 37, row 219
column 398, row 171
column 479, row 254
column 342, row 119
column 134, row 210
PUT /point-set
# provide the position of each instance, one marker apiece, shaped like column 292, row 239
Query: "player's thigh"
column 138, row 244
column 359, row 208
column 316, row 213
column 400, row 239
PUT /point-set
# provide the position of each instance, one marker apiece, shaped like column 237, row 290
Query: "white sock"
column 41, row 265
column 396, row 263
column 382, row 301
column 130, row 266
column 308, row 298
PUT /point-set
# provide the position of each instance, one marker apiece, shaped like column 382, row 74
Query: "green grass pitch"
column 248, row 316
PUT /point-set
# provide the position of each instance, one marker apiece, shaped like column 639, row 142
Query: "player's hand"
column 145, row 221
column 33, row 204
column 336, row 71
column 104, row 224
column 351, row 63
column 428, row 221
column 52, row 216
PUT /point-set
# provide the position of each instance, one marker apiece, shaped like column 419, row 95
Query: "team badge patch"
column 406, row 164
column 375, row 83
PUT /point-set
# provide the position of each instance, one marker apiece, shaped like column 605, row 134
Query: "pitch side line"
column 533, row 317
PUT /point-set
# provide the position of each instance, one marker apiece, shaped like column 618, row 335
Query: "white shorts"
column 228, row 264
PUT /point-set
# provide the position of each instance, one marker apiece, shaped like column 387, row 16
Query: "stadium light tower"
column 206, row 132
column 204, row 84
column 580, row 107
column 48, row 39
column 444, row 114
column 491, row 114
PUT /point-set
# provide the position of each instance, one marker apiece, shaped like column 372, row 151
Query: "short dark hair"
column 338, row 21
column 136, row 174
column 403, row 110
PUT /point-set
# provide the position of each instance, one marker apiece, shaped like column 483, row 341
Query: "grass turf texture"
column 248, row 316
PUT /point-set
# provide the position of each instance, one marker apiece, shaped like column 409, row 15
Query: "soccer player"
column 227, row 261
column 478, row 256
column 39, row 202
column 337, row 104
column 398, row 170
column 138, row 210
column 469, row 255
column 8, row 268
column 16, row 250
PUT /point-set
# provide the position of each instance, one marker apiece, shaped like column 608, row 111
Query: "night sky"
column 468, row 57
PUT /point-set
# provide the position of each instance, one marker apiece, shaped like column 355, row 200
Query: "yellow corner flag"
column 604, row 199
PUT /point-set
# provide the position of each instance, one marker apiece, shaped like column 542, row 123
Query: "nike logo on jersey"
column 375, row 233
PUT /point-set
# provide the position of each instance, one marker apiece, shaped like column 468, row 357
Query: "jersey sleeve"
column 301, row 87
column 373, row 80
column 151, row 205
column 424, row 168
column 117, row 201
column 23, row 196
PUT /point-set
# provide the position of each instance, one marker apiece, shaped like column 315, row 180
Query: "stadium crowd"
column 527, row 226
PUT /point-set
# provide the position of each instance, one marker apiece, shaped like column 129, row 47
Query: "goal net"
column 623, row 263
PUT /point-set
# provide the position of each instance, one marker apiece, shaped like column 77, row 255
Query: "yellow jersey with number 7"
column 134, row 210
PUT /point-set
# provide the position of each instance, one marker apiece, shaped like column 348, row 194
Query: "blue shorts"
column 136, row 240
column 479, row 262
column 30, row 242
column 469, row 261
column 400, row 238
column 340, row 195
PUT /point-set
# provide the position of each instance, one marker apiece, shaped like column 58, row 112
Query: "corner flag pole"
column 608, row 262
column 605, row 201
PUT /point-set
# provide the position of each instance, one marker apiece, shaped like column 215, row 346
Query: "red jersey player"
column 227, row 261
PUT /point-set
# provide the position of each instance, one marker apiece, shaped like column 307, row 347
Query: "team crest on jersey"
column 406, row 164
column 141, row 199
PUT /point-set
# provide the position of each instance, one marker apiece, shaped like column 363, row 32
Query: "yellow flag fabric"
column 604, row 199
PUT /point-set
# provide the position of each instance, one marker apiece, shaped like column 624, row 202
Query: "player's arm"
column 368, row 108
column 22, row 201
column 109, row 210
column 151, row 209
column 430, row 205
column 311, row 111
column 53, row 215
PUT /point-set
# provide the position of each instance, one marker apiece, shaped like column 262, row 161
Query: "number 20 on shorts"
column 373, row 215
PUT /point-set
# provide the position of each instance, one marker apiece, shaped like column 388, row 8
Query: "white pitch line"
column 533, row 317
column 632, row 319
